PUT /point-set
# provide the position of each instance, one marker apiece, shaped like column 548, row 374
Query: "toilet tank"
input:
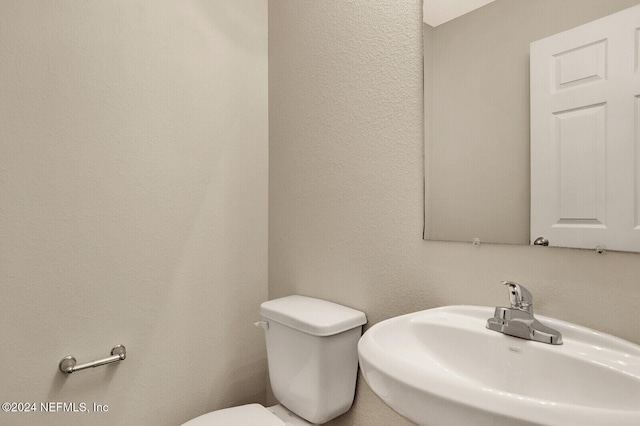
column 312, row 355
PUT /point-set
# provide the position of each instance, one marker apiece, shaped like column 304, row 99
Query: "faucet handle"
column 519, row 296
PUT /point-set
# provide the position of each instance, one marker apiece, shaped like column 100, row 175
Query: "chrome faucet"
column 519, row 321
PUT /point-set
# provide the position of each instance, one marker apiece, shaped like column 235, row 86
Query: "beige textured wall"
column 478, row 171
column 133, row 205
column 346, row 194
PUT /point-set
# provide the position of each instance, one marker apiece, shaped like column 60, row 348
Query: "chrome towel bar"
column 68, row 363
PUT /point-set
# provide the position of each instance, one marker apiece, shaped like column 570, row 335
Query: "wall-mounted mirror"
column 477, row 115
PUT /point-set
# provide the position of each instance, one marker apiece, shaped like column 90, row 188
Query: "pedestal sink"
column 443, row 367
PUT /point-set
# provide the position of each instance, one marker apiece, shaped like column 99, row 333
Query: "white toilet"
column 313, row 364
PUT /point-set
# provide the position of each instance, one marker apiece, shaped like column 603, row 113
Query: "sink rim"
column 470, row 395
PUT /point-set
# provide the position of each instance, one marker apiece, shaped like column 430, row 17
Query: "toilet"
column 313, row 364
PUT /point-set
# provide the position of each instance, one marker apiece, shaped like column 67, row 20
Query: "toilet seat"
column 243, row 415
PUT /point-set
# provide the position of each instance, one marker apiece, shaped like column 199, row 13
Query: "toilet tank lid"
column 313, row 316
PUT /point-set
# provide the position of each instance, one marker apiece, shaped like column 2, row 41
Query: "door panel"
column 585, row 122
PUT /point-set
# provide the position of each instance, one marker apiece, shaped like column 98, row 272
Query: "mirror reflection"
column 477, row 126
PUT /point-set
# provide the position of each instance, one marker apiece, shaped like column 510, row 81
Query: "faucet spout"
column 519, row 321
column 519, row 297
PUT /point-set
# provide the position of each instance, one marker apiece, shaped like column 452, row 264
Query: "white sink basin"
column 442, row 367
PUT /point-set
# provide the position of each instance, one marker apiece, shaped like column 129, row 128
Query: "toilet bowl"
column 250, row 415
column 313, row 364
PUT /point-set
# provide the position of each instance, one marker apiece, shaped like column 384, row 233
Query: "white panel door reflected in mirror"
column 477, row 115
column 585, row 151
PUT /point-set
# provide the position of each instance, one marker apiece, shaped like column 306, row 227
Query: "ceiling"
column 438, row 12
